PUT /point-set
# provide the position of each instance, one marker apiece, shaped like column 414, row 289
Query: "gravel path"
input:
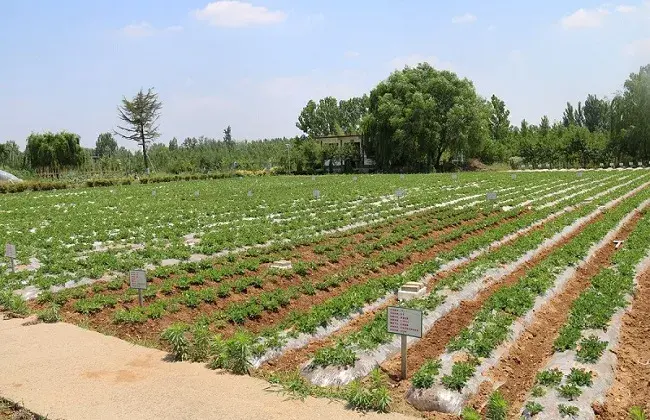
column 65, row 372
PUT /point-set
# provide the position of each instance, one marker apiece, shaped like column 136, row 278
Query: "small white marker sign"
column 137, row 279
column 10, row 251
column 454, row 176
column 631, row 164
column 491, row 196
column 196, row 193
column 316, row 194
column 401, row 176
column 640, row 164
column 579, row 174
column 313, row 178
column 611, row 165
column 354, row 179
column 153, row 193
column 620, row 164
column 404, row 321
column 514, row 176
column 399, row 193
column 250, row 193
column 602, row 165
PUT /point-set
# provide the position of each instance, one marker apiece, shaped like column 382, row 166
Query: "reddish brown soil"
column 294, row 358
column 434, row 342
column 516, row 371
column 632, row 382
column 151, row 329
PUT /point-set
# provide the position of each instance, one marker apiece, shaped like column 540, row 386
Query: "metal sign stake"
column 403, row 357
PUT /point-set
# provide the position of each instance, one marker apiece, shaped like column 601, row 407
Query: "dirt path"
column 632, row 383
column 516, row 371
column 65, row 372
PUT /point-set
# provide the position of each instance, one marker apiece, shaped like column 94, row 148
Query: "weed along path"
column 515, row 373
column 632, row 381
column 65, row 372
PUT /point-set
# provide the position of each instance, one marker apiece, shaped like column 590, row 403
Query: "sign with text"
column 153, row 193
column 250, row 193
column 514, row 176
column 491, row 196
column 316, row 194
column 579, row 174
column 196, row 193
column 137, row 279
column 10, row 251
column 405, row 321
column 399, row 193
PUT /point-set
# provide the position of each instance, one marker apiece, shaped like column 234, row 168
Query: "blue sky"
column 66, row 64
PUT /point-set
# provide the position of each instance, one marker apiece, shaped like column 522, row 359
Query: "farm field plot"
column 536, row 260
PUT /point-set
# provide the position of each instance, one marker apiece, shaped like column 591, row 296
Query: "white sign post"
column 405, row 322
column 10, row 252
column 250, row 193
column 454, row 176
column 153, row 193
column 399, row 193
column 401, row 176
column 316, row 194
column 514, row 176
column 491, row 196
column 640, row 165
column 138, row 280
column 196, row 193
column 579, row 174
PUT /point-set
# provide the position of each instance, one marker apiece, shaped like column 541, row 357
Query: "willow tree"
column 420, row 115
column 140, row 116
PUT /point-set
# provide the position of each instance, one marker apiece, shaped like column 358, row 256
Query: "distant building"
column 364, row 164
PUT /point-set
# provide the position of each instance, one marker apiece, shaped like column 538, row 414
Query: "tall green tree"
column 105, row 146
column 50, row 151
column 173, row 144
column 631, row 116
column 419, row 115
column 227, row 136
column 596, row 113
column 569, row 117
column 499, row 120
column 544, row 126
column 140, row 117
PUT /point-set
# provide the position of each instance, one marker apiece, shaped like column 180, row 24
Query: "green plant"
column 338, row 355
column 590, row 349
column 175, row 335
column 425, row 376
column 370, row 396
column 50, row 315
column 568, row 410
column 538, row 391
column 469, row 413
column 534, row 408
column 497, row 407
column 579, row 377
column 460, row 374
column 637, row 413
column 550, row 378
column 569, row 391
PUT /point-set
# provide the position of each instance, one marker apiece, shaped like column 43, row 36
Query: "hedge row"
column 6, row 187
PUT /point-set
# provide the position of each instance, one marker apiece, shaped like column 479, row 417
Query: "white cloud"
column 466, row 18
column 625, row 8
column 352, row 54
column 398, row 63
column 138, row 30
column 174, row 28
column 585, row 18
column 638, row 48
column 235, row 14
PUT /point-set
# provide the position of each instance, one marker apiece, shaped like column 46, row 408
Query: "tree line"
column 418, row 119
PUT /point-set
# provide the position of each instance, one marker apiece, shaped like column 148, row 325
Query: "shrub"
column 550, row 378
column 534, row 408
column 175, row 335
column 579, row 377
column 338, row 355
column 568, row 410
column 460, row 374
column 591, row 349
column 469, row 413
